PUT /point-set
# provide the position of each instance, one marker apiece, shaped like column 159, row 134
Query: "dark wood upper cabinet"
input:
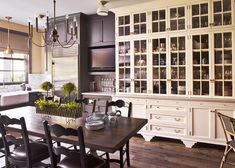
column 101, row 30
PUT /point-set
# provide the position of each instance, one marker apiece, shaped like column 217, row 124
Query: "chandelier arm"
column 45, row 41
column 38, row 44
column 64, row 46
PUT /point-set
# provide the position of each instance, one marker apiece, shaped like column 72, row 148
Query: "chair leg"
column 121, row 158
column 107, row 159
column 226, row 151
column 75, row 147
column 128, row 154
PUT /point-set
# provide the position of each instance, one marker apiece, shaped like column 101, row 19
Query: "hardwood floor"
column 168, row 153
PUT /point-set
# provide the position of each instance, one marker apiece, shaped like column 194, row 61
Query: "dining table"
column 108, row 139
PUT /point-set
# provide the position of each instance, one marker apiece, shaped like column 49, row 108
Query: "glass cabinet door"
column 124, row 25
column 159, row 66
column 140, row 23
column 200, row 17
column 201, row 66
column 140, row 66
column 159, row 21
column 177, row 18
column 178, row 65
column 222, row 12
column 223, row 64
column 124, row 67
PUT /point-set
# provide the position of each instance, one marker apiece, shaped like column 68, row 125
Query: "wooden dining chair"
column 26, row 153
column 120, row 106
column 73, row 158
column 85, row 102
column 228, row 124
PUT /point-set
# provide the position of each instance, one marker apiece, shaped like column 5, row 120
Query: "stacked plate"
column 95, row 121
column 94, row 125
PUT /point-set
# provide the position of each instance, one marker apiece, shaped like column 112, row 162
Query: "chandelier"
column 54, row 36
column 8, row 49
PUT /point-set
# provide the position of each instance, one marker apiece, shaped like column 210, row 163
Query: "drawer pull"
column 177, row 131
column 157, row 128
column 177, row 108
column 157, row 117
column 177, row 119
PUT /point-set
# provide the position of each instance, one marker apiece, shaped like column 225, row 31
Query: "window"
column 13, row 68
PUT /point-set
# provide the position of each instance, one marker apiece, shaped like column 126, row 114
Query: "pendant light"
column 102, row 10
column 8, row 49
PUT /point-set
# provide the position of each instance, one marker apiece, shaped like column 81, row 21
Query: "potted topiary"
column 47, row 86
column 68, row 88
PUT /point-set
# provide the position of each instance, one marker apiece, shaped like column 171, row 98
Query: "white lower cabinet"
column 167, row 118
column 200, row 117
column 189, row 120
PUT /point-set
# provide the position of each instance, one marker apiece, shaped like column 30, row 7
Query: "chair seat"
column 39, row 151
column 74, row 162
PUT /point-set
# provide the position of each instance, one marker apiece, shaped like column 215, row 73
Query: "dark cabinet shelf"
column 101, row 30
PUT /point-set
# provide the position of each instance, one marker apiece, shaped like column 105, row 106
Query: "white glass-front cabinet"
column 124, row 67
column 200, row 15
column 223, row 58
column 222, row 12
column 177, row 18
column 201, row 68
column 177, row 65
column 158, row 21
column 178, row 50
column 159, row 59
column 140, row 66
column 124, row 25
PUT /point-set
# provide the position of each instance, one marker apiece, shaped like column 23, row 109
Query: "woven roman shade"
column 18, row 41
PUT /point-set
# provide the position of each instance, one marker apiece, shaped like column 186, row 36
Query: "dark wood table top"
column 108, row 139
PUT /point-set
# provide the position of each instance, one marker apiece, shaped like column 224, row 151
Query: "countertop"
column 100, row 93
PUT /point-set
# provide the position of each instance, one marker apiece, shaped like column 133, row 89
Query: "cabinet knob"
column 157, row 117
column 157, row 128
column 177, row 131
column 177, row 119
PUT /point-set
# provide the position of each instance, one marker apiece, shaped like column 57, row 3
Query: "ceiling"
column 21, row 10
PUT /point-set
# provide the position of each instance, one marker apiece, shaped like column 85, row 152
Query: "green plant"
column 46, row 86
column 71, row 106
column 44, row 104
column 69, row 109
column 68, row 88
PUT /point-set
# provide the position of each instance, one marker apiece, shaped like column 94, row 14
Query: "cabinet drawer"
column 166, row 129
column 167, row 102
column 167, row 118
column 168, row 108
